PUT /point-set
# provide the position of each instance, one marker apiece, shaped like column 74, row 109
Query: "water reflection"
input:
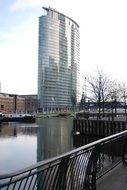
column 14, row 129
column 25, row 144
column 54, row 137
column 18, row 144
column 81, row 140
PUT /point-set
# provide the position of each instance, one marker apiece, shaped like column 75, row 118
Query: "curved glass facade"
column 58, row 61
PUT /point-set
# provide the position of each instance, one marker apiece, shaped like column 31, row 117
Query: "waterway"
column 22, row 145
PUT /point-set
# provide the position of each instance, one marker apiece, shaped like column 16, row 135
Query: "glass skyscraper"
column 58, row 61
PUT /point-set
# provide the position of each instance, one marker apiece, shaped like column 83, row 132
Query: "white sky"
column 103, row 39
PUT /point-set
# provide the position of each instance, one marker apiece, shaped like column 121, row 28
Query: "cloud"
column 18, row 73
column 24, row 4
column 19, row 53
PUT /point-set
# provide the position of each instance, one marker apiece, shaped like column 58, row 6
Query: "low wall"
column 98, row 127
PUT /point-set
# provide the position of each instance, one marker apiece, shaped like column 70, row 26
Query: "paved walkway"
column 114, row 180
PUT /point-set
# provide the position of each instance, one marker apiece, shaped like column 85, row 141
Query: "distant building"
column 58, row 61
column 12, row 103
column 31, row 104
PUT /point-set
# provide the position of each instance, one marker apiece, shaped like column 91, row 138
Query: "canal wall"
column 100, row 128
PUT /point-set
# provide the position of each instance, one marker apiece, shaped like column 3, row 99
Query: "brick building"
column 12, row 103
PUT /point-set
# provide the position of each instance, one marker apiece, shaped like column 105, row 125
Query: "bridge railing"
column 77, row 169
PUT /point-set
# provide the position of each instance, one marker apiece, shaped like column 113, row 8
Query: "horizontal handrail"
column 74, row 169
column 34, row 166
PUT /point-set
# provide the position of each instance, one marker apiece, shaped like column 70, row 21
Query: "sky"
column 103, row 39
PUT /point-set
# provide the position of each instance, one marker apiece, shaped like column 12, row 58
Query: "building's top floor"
column 55, row 11
column 7, row 95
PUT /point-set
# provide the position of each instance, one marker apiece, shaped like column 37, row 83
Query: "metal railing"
column 77, row 169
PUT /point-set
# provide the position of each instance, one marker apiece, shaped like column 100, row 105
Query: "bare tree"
column 98, row 88
column 101, row 89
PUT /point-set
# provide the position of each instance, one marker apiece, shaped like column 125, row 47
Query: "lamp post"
column 114, row 102
column 125, row 105
column 73, row 99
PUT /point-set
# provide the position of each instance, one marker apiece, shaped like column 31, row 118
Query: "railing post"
column 124, row 152
column 60, row 182
column 91, row 170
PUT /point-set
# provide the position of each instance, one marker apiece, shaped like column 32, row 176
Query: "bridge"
column 87, row 167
